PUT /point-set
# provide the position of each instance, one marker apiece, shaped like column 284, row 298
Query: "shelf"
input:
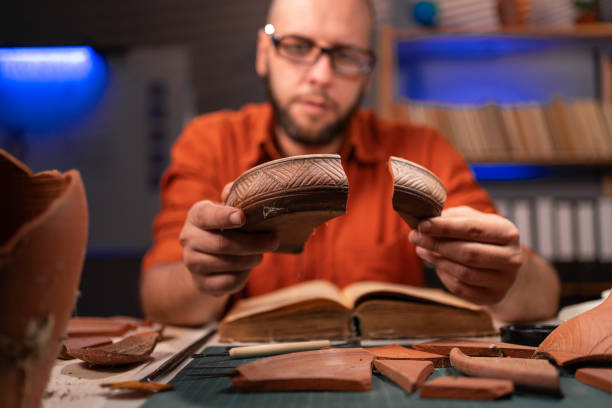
column 513, row 171
column 546, row 75
column 590, row 30
column 559, row 159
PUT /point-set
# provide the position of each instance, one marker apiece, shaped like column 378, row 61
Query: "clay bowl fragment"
column 97, row 326
column 410, row 375
column 599, row 377
column 82, row 343
column 291, row 196
column 397, row 352
column 525, row 372
column 476, row 348
column 335, row 369
column 467, row 388
column 584, row 338
column 133, row 349
column 417, row 192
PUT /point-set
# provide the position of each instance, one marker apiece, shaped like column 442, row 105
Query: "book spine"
column 544, row 227
column 564, row 231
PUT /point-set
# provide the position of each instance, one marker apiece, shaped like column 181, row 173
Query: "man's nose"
column 322, row 71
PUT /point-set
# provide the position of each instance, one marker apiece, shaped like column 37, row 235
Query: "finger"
column 469, row 253
column 428, row 256
column 226, row 190
column 484, row 278
column 208, row 215
column 490, row 228
column 206, row 264
column 221, row 283
column 474, row 294
column 228, row 242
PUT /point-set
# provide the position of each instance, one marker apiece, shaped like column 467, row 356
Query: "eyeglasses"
column 344, row 59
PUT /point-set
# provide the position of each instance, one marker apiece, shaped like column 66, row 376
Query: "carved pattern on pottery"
column 410, row 176
column 320, row 171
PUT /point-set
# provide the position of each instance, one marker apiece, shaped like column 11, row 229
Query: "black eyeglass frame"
column 330, row 51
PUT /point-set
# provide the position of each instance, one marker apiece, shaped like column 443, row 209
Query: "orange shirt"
column 370, row 242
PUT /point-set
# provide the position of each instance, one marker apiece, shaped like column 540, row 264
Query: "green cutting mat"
column 194, row 390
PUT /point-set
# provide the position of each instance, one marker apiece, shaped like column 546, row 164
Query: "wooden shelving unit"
column 596, row 35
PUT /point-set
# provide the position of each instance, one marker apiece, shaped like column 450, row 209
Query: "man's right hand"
column 220, row 257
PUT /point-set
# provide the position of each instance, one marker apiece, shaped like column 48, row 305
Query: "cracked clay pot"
column 43, row 236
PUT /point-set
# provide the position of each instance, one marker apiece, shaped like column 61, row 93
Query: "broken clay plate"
column 291, row 196
column 334, row 369
column 599, row 377
column 584, row 338
column 417, row 192
column 133, row 349
column 467, row 388
column 410, row 375
column 477, row 348
column 526, row 372
column 97, row 326
column 397, row 352
column 82, row 343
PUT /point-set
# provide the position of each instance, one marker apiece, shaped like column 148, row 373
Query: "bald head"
column 284, row 14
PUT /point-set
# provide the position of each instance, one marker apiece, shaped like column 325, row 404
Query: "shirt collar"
column 261, row 123
column 360, row 142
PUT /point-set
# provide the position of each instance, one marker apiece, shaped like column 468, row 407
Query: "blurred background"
column 106, row 87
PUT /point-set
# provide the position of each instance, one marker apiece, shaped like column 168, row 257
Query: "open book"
column 369, row 310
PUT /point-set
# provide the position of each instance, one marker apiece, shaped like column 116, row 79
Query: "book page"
column 311, row 291
column 354, row 291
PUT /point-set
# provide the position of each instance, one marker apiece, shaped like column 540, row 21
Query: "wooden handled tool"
column 269, row 349
column 277, row 348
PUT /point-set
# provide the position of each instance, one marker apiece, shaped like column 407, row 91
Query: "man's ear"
column 261, row 59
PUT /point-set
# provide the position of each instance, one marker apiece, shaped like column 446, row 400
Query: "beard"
column 306, row 137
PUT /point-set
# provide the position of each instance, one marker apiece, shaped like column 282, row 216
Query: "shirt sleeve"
column 191, row 177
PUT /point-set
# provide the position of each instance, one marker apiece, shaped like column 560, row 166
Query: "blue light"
column 47, row 88
column 509, row 171
column 473, row 46
column 478, row 69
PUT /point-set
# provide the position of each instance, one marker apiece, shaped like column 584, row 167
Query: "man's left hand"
column 476, row 255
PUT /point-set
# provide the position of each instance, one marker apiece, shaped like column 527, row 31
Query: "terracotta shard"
column 43, row 238
column 584, row 338
column 132, row 321
column 132, row 349
column 599, row 377
column 537, row 374
column 338, row 369
column 81, row 343
column 467, row 388
column 408, row 374
column 396, row 352
column 476, row 348
column 417, row 192
column 97, row 326
column 291, row 196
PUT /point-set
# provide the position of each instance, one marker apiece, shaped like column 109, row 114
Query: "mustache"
column 327, row 100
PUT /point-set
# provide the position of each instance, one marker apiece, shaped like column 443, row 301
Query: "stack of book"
column 558, row 132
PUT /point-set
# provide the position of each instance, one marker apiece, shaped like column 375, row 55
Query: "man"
column 315, row 58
